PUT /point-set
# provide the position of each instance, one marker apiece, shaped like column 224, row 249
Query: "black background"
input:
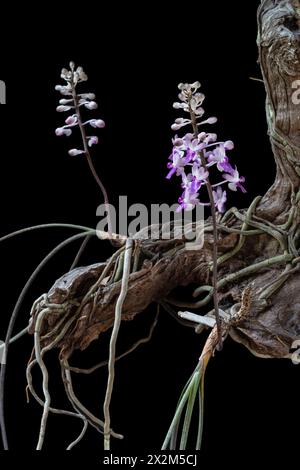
column 134, row 57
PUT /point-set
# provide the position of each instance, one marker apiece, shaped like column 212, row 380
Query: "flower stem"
column 89, row 158
column 215, row 234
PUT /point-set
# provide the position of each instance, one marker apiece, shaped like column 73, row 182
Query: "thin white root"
column 39, row 358
column 81, row 435
column 113, row 341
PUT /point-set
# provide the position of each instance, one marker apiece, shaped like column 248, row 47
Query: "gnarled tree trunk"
column 279, row 53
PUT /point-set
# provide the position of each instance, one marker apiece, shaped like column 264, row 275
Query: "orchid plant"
column 193, row 157
column 257, row 292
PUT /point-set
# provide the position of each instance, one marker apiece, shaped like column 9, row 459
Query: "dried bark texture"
column 271, row 332
column 274, row 322
column 279, row 54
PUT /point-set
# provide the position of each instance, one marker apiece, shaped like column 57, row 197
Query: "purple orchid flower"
column 190, row 196
column 178, row 163
column 235, row 180
column 188, row 201
column 199, row 172
column 195, row 153
column 220, row 198
column 218, row 156
column 186, row 179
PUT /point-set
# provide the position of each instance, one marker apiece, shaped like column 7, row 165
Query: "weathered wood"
column 279, row 56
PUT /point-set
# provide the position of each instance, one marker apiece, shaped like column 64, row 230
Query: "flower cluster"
column 73, row 102
column 194, row 154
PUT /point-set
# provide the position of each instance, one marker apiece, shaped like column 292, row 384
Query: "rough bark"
column 274, row 322
column 279, row 55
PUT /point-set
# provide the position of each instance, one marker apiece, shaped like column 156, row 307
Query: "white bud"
column 64, row 101
column 62, row 131
column 64, row 90
column 177, row 105
column 88, row 96
column 74, row 152
column 196, row 85
column 66, row 74
column 98, row 123
column 71, row 120
column 211, row 120
column 62, row 108
column 81, row 74
column 229, row 145
column 91, row 105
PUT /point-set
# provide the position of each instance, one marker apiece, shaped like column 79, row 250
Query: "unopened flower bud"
column 201, row 136
column 64, row 101
column 196, row 85
column 91, row 105
column 178, row 105
column 211, row 120
column 74, row 152
column 87, row 96
column 229, row 145
column 64, row 90
column 63, row 108
column 81, row 74
column 71, row 120
column 66, row 74
column 63, row 131
column 97, row 123
column 177, row 142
